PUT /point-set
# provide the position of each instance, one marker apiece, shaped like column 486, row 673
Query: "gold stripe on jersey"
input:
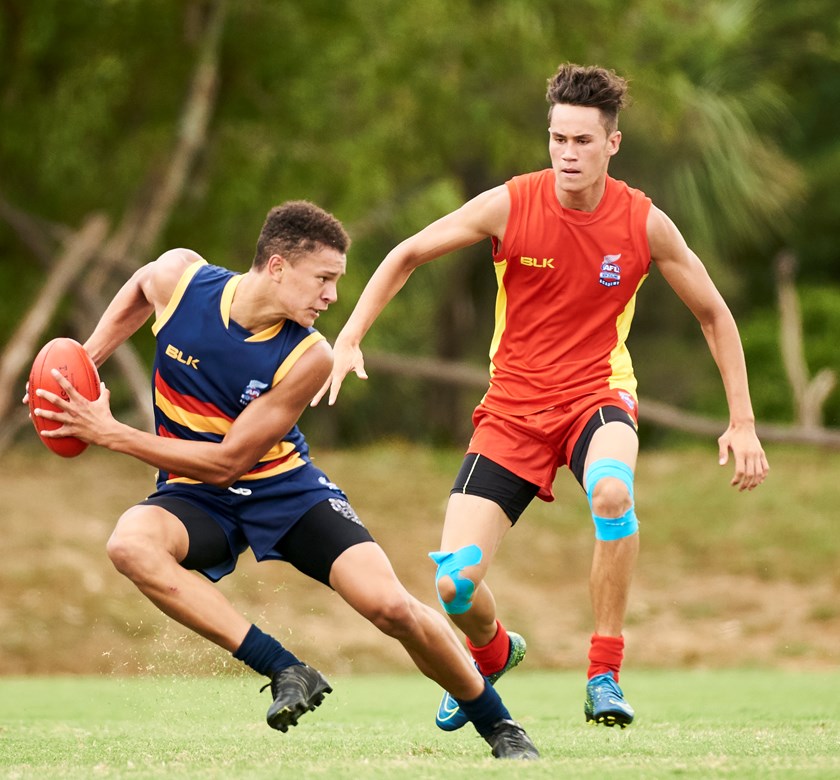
column 189, row 272
column 199, row 423
column 621, row 366
column 294, row 356
column 227, row 301
column 280, row 468
column 280, row 450
column 268, row 333
column 227, row 298
column 501, row 311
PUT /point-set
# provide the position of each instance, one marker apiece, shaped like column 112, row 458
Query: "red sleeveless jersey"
column 567, row 293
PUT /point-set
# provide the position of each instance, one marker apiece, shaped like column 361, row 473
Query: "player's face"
column 580, row 151
column 310, row 284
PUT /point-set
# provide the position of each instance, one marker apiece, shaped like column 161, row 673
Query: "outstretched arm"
column 483, row 216
column 687, row 275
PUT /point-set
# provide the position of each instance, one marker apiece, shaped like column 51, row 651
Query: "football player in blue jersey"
column 237, row 361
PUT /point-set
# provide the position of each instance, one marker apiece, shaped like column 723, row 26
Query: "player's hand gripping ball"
column 75, row 365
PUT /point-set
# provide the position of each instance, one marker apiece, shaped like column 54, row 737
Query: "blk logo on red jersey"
column 536, row 262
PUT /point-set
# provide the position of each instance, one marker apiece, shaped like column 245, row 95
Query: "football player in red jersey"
column 571, row 246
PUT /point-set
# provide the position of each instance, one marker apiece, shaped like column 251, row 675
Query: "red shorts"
column 534, row 446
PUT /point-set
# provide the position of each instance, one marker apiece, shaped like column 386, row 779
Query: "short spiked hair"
column 579, row 85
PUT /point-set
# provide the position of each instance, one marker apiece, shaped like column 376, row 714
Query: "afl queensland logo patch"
column 610, row 275
column 628, row 399
column 252, row 390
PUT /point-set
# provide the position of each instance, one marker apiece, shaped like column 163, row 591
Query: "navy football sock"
column 263, row 653
column 486, row 710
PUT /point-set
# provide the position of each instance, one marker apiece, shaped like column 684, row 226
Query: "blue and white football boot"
column 449, row 716
column 605, row 702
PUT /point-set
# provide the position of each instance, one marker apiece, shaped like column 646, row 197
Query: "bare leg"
column 364, row 578
column 474, row 520
column 146, row 546
column 613, row 562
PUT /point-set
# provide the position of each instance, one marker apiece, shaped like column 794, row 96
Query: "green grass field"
column 726, row 582
column 696, row 724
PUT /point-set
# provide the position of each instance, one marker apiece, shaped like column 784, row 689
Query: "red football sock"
column 492, row 656
column 605, row 655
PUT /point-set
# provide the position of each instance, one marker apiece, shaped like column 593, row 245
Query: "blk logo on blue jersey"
column 177, row 354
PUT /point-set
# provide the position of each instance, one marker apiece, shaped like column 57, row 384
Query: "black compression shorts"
column 480, row 476
column 312, row 545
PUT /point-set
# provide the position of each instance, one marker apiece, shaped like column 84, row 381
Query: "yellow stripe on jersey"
column 226, row 303
column 227, row 298
column 500, row 317
column 501, row 311
column 199, row 423
column 204, row 424
column 280, row 468
column 294, row 356
column 189, row 272
column 621, row 366
column 268, row 333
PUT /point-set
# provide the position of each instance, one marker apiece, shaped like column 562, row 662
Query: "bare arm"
column 687, row 275
column 483, row 216
column 148, row 290
column 261, row 425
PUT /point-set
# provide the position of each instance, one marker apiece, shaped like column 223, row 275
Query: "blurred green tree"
column 391, row 114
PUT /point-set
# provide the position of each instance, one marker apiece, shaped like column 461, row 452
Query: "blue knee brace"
column 451, row 564
column 608, row 529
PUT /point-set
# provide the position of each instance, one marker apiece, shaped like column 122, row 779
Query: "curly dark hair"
column 581, row 85
column 298, row 227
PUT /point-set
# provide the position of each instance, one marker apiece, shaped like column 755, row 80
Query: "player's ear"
column 275, row 266
column 613, row 142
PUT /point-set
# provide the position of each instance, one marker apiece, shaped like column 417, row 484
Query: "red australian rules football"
column 75, row 365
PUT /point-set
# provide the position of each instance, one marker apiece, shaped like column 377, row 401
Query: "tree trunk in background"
column 809, row 393
column 452, row 375
column 105, row 263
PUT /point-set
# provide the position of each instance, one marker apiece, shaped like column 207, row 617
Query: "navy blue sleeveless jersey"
column 207, row 368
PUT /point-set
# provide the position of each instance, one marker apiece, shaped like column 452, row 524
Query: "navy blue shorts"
column 256, row 513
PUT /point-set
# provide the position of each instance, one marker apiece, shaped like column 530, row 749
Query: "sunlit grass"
column 745, row 724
